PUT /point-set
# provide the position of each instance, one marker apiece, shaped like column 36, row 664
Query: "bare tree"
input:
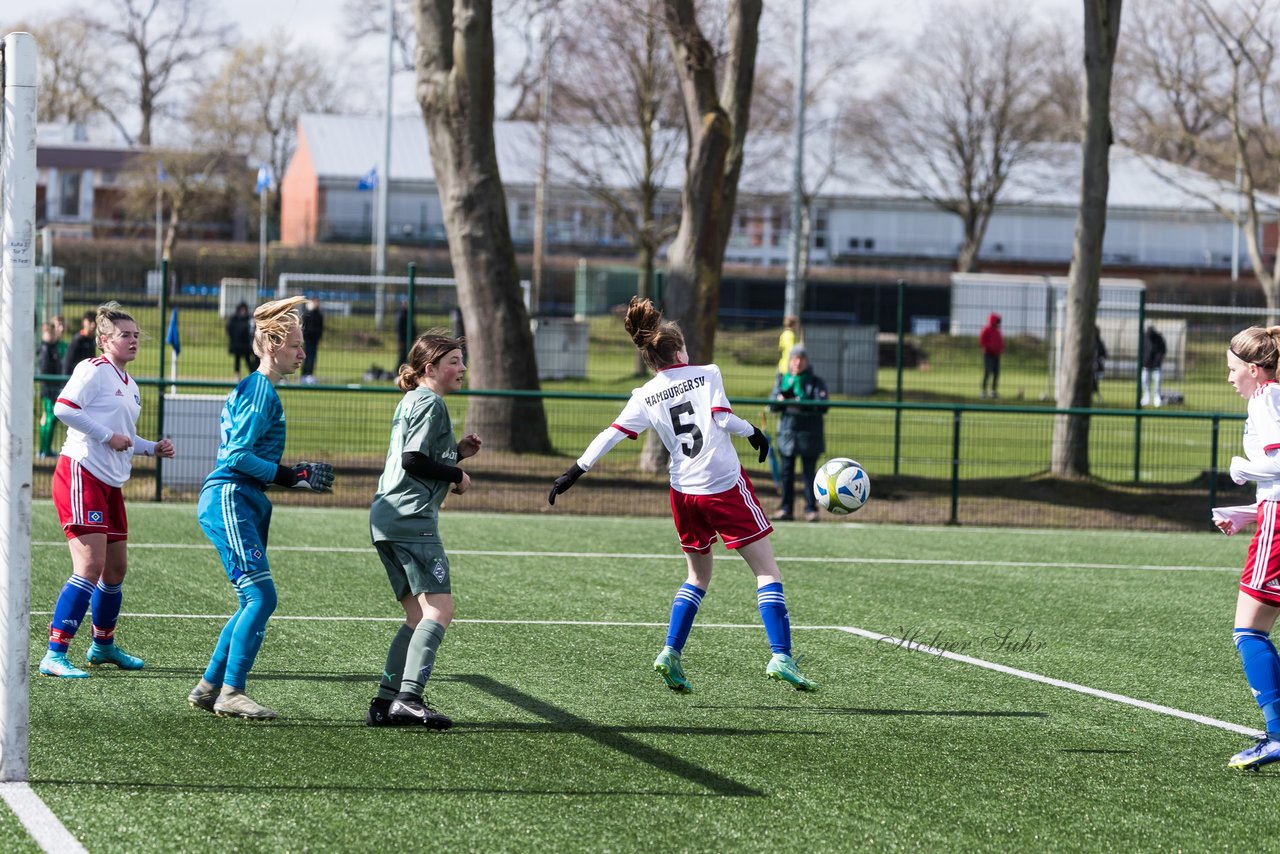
column 716, row 125
column 166, row 45
column 1231, row 94
column 192, row 186
column 455, row 86
column 75, row 77
column 253, row 104
column 615, row 112
column 963, row 111
column 1076, row 369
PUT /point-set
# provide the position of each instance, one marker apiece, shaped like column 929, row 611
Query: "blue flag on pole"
column 266, row 180
column 172, row 338
column 368, row 180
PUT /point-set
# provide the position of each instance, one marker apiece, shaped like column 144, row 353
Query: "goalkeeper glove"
column 317, row 477
column 760, row 442
column 564, row 481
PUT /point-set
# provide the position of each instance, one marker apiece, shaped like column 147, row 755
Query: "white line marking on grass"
column 903, row 643
column 39, row 820
column 892, row 561
column 1049, row 680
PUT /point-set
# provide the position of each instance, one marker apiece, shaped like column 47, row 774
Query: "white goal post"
column 17, row 349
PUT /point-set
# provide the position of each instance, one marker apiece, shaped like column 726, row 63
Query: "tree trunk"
column 1075, row 370
column 716, row 126
column 455, row 80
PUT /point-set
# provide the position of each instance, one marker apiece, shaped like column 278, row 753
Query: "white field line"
column 39, row 820
column 902, row 643
column 1003, row 564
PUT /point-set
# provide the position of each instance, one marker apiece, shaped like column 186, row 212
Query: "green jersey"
column 406, row 508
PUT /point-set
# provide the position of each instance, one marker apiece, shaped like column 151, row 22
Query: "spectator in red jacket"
column 992, row 343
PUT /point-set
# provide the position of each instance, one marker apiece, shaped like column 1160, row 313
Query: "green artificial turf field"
column 567, row 741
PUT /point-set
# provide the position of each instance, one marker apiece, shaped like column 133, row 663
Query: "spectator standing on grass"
column 711, row 495
column 49, row 358
column 312, row 332
column 991, row 340
column 1251, row 371
column 235, row 513
column 240, row 338
column 800, row 433
column 405, row 333
column 421, row 470
column 84, row 344
column 787, row 339
column 100, row 405
column 1099, row 361
column 1153, row 351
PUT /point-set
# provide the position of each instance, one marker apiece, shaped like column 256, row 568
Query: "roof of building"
column 348, row 146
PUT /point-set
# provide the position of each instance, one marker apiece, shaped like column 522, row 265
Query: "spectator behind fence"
column 404, row 334
column 312, row 331
column 48, row 361
column 83, row 343
column 800, row 431
column 991, row 340
column 240, row 337
column 1099, row 361
column 786, row 340
column 1153, row 350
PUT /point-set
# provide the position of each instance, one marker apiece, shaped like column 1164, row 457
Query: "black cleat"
column 408, row 710
column 377, row 715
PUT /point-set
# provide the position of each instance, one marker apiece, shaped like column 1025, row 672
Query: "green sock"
column 395, row 660
column 421, row 657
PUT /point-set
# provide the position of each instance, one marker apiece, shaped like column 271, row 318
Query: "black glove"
column 317, row 477
column 760, row 442
column 564, row 481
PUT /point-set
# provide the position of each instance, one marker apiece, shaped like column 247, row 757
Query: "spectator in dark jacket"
column 83, row 344
column 1099, row 361
column 405, row 334
column 991, row 340
column 312, row 331
column 240, row 337
column 800, row 431
column 48, row 361
column 1153, row 350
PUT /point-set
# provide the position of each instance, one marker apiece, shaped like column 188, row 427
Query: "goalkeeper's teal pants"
column 235, row 517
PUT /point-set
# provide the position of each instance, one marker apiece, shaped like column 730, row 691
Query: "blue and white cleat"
column 1264, row 752
column 99, row 655
column 57, row 664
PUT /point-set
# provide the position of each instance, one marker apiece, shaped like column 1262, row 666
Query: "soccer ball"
column 841, row 486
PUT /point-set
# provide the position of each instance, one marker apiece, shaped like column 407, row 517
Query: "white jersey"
column 98, row 401
column 1262, row 433
column 686, row 406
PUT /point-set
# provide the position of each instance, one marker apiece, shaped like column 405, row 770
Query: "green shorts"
column 414, row 568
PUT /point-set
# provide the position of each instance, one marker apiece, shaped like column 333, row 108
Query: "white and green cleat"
column 240, row 705
column 786, row 669
column 668, row 666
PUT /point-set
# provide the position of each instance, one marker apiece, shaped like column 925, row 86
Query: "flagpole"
column 384, row 176
column 262, row 239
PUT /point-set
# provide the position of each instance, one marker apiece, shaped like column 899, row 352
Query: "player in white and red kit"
column 1251, row 370
column 711, row 495
column 100, row 406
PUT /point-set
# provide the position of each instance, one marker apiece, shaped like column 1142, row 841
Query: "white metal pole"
column 381, row 221
column 792, row 296
column 17, row 348
column 262, row 238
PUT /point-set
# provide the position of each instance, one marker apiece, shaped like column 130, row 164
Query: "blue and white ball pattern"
column 841, row 486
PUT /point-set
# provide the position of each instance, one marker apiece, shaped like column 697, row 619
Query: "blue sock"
column 217, row 669
column 105, row 606
column 1262, row 670
column 683, row 609
column 246, row 638
column 68, row 612
column 777, row 622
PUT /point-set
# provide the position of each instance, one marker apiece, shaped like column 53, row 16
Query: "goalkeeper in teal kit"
column 235, row 513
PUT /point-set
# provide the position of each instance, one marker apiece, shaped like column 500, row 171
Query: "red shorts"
column 735, row 514
column 1261, row 576
column 86, row 505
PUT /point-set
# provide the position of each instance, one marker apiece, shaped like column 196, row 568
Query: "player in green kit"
column 421, row 468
